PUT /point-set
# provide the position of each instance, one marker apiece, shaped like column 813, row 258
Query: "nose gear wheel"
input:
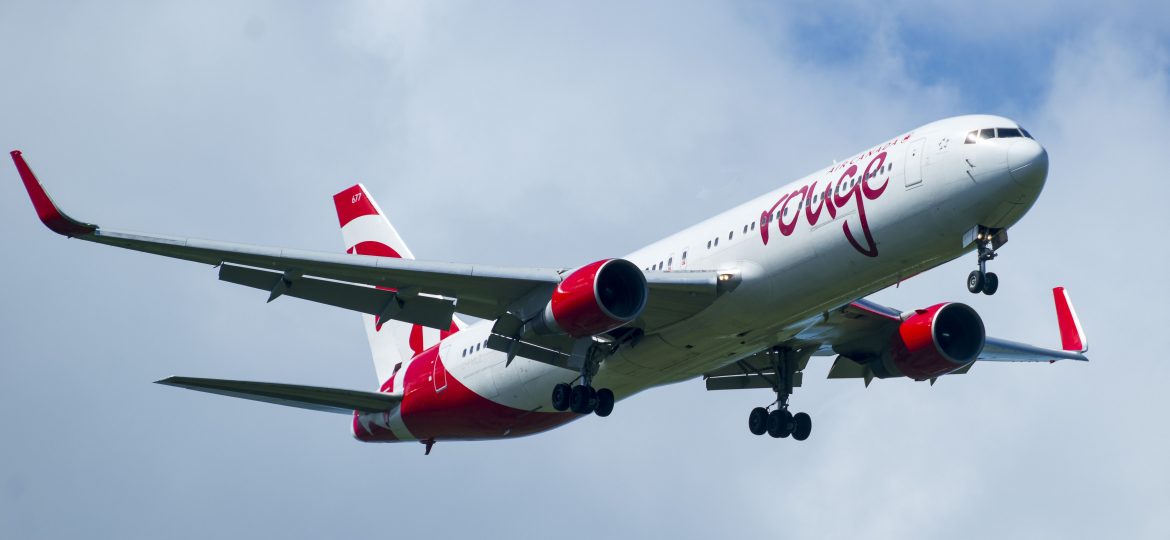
column 987, row 241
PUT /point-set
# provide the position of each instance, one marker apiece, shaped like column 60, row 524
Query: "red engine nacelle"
column 934, row 341
column 595, row 298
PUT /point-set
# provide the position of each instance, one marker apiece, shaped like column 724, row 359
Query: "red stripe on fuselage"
column 374, row 434
column 456, row 412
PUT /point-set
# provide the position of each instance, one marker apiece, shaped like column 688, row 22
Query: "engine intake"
column 595, row 298
column 936, row 341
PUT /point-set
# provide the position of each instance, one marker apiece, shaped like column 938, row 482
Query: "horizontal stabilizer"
column 293, row 395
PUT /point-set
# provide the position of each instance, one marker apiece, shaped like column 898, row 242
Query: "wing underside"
column 410, row 290
column 862, row 330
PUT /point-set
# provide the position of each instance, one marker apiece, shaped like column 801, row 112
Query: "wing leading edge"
column 481, row 291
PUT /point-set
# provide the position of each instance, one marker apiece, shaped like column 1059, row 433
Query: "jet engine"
column 933, row 341
column 595, row 298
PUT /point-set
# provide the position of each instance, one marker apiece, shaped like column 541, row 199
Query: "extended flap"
column 425, row 310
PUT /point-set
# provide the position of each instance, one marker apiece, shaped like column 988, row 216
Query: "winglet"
column 1072, row 335
column 50, row 215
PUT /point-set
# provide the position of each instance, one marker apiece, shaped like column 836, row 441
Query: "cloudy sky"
column 553, row 134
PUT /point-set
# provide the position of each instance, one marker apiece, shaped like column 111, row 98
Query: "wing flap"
column 315, row 398
column 384, row 304
column 482, row 291
column 481, row 284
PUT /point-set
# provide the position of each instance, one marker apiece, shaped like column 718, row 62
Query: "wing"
column 291, row 395
column 419, row 292
column 863, row 329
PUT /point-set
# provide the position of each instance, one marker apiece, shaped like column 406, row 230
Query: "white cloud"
column 579, row 132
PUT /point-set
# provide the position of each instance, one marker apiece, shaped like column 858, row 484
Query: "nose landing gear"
column 987, row 241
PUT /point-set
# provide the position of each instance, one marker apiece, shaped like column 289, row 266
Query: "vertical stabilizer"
column 366, row 231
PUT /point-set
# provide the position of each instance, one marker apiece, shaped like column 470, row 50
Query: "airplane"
column 744, row 299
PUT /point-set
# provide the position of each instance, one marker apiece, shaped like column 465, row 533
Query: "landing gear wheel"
column 779, row 423
column 801, row 426
column 582, row 400
column 758, row 421
column 561, row 396
column 604, row 402
column 975, row 282
column 990, row 283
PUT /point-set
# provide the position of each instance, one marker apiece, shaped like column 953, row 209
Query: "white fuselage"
column 926, row 189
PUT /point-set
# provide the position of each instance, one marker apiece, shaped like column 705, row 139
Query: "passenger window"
column 477, row 347
column 708, row 244
column 753, row 225
column 1008, row 133
column 684, row 258
column 465, row 352
column 730, row 234
column 716, row 242
column 745, row 229
column 670, row 261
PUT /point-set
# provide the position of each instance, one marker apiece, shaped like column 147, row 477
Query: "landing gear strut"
column 986, row 242
column 780, row 423
column 583, row 398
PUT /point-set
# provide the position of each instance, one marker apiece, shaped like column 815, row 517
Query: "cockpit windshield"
column 996, row 133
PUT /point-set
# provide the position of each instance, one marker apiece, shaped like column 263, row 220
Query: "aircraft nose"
column 1028, row 162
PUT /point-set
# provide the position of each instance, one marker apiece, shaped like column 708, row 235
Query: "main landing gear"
column 986, row 242
column 583, row 398
column 779, row 422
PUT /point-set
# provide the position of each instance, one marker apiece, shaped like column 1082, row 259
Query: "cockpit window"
column 993, row 133
column 1025, row 132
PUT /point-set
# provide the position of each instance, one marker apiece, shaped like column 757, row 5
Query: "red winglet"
column 1072, row 336
column 50, row 215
